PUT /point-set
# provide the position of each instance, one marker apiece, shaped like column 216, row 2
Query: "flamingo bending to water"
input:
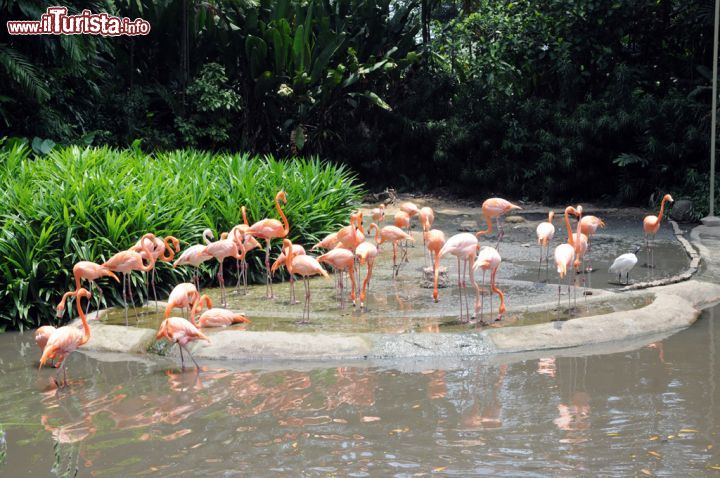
column 182, row 332
column 91, row 272
column 270, row 229
column 183, row 296
column 393, row 234
column 427, row 218
column 304, row 266
column 434, row 241
column 342, row 260
column 464, row 246
column 495, row 208
column 651, row 225
column 281, row 260
column 488, row 259
column 215, row 316
column 65, row 340
column 366, row 253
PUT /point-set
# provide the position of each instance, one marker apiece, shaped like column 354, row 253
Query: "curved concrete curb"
column 674, row 307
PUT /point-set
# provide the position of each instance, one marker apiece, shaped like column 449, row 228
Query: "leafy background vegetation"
column 88, row 203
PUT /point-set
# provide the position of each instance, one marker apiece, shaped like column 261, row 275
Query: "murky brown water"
column 654, row 411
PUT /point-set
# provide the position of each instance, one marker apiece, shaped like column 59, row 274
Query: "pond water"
column 653, row 411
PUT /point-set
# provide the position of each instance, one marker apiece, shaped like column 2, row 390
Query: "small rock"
column 468, row 226
column 515, row 219
column 428, row 278
column 682, row 210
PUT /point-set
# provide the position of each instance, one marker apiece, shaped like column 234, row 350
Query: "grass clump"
column 88, row 203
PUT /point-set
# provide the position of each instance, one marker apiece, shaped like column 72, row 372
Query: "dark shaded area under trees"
column 554, row 100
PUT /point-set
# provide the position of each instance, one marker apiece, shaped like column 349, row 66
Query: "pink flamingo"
column 350, row 236
column 579, row 240
column 194, row 256
column 589, row 226
column 162, row 251
column 392, row 234
column 65, row 340
column 402, row 221
column 213, row 316
column 250, row 243
column 434, row 241
column 242, row 239
column 488, row 259
column 281, row 260
column 410, row 208
column 91, row 272
column 126, row 262
column 427, row 217
column 329, row 242
column 270, row 229
column 545, row 233
column 180, row 331
column 305, row 266
column 342, row 260
column 464, row 246
column 366, row 253
column 564, row 258
column 183, row 296
column 651, row 225
column 42, row 334
column 378, row 214
column 495, row 208
column 221, row 250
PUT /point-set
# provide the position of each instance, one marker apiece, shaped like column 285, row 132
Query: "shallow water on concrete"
column 646, row 412
column 404, row 303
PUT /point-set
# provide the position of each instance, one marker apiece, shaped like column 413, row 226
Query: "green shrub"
column 86, row 204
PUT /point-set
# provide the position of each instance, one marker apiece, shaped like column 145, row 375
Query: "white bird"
column 624, row 264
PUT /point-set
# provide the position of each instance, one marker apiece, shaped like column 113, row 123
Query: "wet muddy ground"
column 649, row 411
column 405, row 303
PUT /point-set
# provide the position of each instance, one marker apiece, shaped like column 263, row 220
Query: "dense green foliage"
column 553, row 100
column 88, row 203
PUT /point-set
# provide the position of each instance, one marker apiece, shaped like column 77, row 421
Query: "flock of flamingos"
column 349, row 249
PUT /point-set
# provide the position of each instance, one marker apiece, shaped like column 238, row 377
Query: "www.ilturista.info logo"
column 56, row 21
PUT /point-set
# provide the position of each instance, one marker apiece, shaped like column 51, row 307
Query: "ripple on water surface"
column 650, row 411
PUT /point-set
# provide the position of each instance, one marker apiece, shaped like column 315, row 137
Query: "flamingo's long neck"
column 151, row 258
column 68, row 294
column 289, row 257
column 377, row 232
column 579, row 231
column 499, row 293
column 286, row 225
column 244, row 216
column 662, row 209
column 488, row 221
column 81, row 313
column 568, row 227
column 436, row 274
column 169, row 249
column 202, row 301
